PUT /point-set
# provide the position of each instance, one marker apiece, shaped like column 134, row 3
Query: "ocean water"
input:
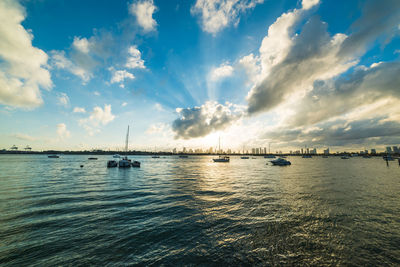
column 192, row 211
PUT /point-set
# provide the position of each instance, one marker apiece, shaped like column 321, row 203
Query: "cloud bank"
column 23, row 68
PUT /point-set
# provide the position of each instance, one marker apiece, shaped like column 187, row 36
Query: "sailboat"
column 220, row 157
column 124, row 162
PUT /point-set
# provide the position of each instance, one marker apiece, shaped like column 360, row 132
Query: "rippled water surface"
column 192, row 211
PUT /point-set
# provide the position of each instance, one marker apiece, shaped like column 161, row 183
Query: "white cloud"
column 98, row 117
column 84, row 55
column 63, row 99
column 119, row 76
column 219, row 14
column 79, row 110
column 62, row 131
column 291, row 62
column 60, row 61
column 251, row 64
column 96, row 93
column 221, row 72
column 124, row 104
column 158, row 107
column 157, row 128
column 24, row 137
column 307, row 4
column 22, row 71
column 143, row 11
column 134, row 60
column 81, row 44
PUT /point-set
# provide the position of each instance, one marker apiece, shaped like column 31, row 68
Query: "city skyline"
column 321, row 74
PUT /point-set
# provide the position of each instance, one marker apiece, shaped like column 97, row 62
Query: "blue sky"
column 74, row 74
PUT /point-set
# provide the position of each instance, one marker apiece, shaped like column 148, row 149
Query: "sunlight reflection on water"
column 193, row 211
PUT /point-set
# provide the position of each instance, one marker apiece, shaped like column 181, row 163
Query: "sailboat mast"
column 219, row 145
column 126, row 141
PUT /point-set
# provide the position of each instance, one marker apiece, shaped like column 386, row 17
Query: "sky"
column 293, row 74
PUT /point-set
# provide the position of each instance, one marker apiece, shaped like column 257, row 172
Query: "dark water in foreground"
column 194, row 212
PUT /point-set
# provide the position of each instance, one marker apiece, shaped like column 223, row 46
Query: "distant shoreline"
column 146, row 153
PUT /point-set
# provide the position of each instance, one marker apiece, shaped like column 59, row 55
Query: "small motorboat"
column 135, row 164
column 53, row 156
column 280, row 162
column 112, row 164
column 269, row 157
column 244, row 157
column 92, row 158
column 222, row 159
column 155, row 157
column 116, row 156
column 183, row 156
column 344, row 157
column 306, row 156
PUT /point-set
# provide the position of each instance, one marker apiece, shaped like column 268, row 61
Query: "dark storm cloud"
column 336, row 97
column 339, row 133
column 200, row 121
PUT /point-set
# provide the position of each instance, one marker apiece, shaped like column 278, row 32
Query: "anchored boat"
column 280, row 162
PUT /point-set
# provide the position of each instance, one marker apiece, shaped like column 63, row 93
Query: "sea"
column 192, row 212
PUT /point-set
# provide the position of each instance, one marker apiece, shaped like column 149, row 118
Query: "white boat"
column 116, row 156
column 280, row 162
column 220, row 157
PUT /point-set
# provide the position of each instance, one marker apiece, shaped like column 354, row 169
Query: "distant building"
column 395, row 150
column 373, row 151
column 326, row 151
column 388, row 150
column 313, row 151
column 253, row 151
column 257, row 150
column 301, row 151
column 308, row 151
column 174, row 151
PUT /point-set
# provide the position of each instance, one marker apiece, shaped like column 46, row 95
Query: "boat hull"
column 221, row 160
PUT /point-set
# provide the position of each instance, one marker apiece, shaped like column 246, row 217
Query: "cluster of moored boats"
column 123, row 163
